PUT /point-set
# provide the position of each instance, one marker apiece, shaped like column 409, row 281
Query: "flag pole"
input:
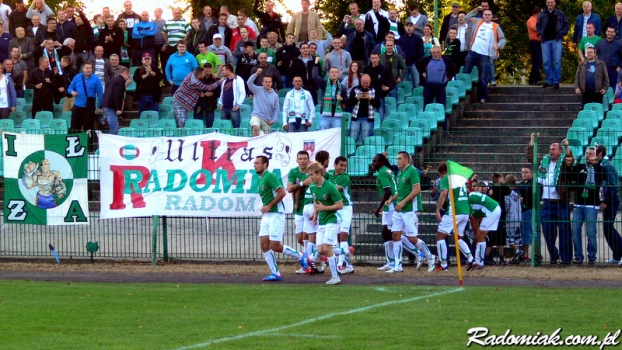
column 453, row 214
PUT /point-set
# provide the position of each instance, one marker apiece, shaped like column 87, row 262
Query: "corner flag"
column 458, row 176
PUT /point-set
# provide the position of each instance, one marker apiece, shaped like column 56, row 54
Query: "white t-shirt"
column 98, row 70
column 484, row 39
column 4, row 91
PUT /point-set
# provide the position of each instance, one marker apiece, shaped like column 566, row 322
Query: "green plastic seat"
column 377, row 142
column 366, row 151
column 616, row 107
column 386, row 133
column 32, row 126
column 392, row 152
column 614, row 114
column 406, row 84
column 391, row 123
column 20, row 102
column 167, row 128
column 27, row 108
column 458, row 84
column 58, row 110
column 284, row 92
column 18, row 118
column 409, row 140
column 603, row 141
column 617, row 164
column 248, row 101
column 580, row 133
column 29, row 95
column 194, row 127
column 44, row 117
column 411, row 108
column 168, row 100
column 390, row 104
column 422, row 124
column 610, row 94
column 246, row 110
column 58, row 127
column 358, row 166
column 453, row 96
column 402, row 117
column 66, row 116
column 609, row 134
column 242, row 132
column 437, row 108
column 590, row 115
column 140, row 128
column 466, row 79
column 164, row 111
column 577, row 150
column 596, row 107
column 7, row 125
column 152, row 118
column 474, row 74
column 606, row 103
column 430, row 117
column 585, row 124
column 615, row 124
column 224, row 126
column 418, row 91
column 350, row 146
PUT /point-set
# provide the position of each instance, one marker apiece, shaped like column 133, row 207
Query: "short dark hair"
column 340, row 159
column 383, row 159
column 601, row 150
column 228, row 66
column 181, row 42
column 243, row 12
column 442, row 167
column 50, row 19
column 322, row 156
column 203, row 42
column 302, row 153
column 404, row 153
column 264, row 160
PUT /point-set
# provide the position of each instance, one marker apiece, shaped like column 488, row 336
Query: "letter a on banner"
column 45, row 179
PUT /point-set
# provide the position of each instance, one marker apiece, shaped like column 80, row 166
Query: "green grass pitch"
column 56, row 315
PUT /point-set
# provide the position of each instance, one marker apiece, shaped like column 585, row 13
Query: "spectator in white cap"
column 221, row 51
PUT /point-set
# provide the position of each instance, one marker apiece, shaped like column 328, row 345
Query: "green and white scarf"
column 543, row 169
column 330, row 100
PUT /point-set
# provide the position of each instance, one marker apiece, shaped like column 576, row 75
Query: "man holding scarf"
column 553, row 176
column 298, row 110
column 331, row 105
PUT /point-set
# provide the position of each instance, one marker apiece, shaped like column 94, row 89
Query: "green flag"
column 459, row 175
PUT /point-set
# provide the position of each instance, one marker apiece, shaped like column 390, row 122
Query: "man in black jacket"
column 83, row 37
column 222, row 23
column 284, row 58
column 42, row 80
column 270, row 20
column 63, row 82
column 308, row 68
column 113, row 99
column 412, row 46
column 381, row 80
column 148, row 91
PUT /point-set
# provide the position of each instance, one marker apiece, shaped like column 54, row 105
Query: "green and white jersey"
column 327, row 194
column 268, row 184
column 343, row 181
column 295, row 176
column 406, row 179
column 461, row 196
column 385, row 180
column 175, row 30
column 482, row 203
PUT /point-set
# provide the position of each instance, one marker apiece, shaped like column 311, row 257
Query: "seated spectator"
column 298, row 108
column 364, row 103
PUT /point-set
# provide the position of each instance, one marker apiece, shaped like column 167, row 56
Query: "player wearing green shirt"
column 490, row 210
column 341, row 180
column 298, row 184
column 446, row 222
column 385, row 183
column 405, row 217
column 327, row 202
column 273, row 220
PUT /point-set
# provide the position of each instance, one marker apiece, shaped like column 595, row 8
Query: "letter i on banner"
column 45, row 179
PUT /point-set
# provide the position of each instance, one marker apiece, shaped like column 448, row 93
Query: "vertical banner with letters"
column 208, row 175
column 45, row 179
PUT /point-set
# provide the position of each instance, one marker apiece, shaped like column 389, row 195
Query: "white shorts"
column 346, row 218
column 273, row 225
column 491, row 221
column 261, row 124
column 387, row 216
column 327, row 234
column 446, row 226
column 406, row 222
column 299, row 223
column 307, row 213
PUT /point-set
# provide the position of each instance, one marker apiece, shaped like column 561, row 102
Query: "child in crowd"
column 513, row 216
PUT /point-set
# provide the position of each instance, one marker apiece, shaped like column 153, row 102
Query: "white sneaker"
column 334, row 280
column 301, row 271
column 612, row 261
column 432, row 264
column 346, row 270
column 395, row 270
column 419, row 261
column 386, row 267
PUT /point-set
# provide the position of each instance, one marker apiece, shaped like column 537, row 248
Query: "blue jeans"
column 432, row 91
column 491, row 78
column 230, row 114
column 287, row 84
column 589, row 216
column 526, row 226
column 329, row 122
column 552, row 57
column 113, row 120
column 611, row 235
column 555, row 215
column 361, row 127
column 297, row 126
column 204, row 114
column 482, row 62
column 413, row 75
column 382, row 109
column 393, row 93
column 147, row 103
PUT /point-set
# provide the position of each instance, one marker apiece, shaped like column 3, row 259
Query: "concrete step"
column 567, row 89
column 525, row 106
column 562, row 115
column 543, row 122
column 497, row 148
column 535, row 99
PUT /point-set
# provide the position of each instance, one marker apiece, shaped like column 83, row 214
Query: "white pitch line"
column 315, row 336
column 316, row 319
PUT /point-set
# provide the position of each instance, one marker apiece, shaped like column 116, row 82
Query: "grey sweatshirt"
column 265, row 103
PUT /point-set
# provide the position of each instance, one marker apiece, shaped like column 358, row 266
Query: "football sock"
column 441, row 247
column 480, row 253
column 332, row 262
column 338, row 251
column 287, row 250
column 312, row 251
column 305, row 243
column 465, row 249
column 424, row 248
column 388, row 251
column 397, row 251
column 408, row 246
column 345, row 249
column 271, row 260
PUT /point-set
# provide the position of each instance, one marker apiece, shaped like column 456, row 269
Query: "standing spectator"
column 355, row 14
column 552, row 25
column 110, row 38
column 338, row 58
column 221, row 51
column 485, row 44
column 179, row 65
column 207, row 20
column 159, row 44
column 359, row 42
column 308, row 68
column 589, row 40
column 98, row 25
column 8, row 102
column 221, row 28
column 49, row 32
column 364, row 103
column 247, row 61
column 265, row 48
column 382, row 47
column 232, row 20
column 19, row 70
column 196, row 35
column 69, row 72
column 115, row 64
column 465, row 35
column 616, row 21
column 42, row 81
column 238, row 50
column 18, row 18
column 205, row 56
column 417, row 19
column 610, row 204
column 513, row 217
column 332, row 110
column 270, row 20
column 553, row 176
column 235, row 34
column 526, row 193
column 267, row 70
column 298, row 108
column 395, row 26
column 580, row 24
column 352, row 80
column 232, row 95
column 207, row 102
column 113, row 100
column 610, row 52
column 174, row 30
column 266, row 106
column 186, row 97
column 412, row 45
column 377, row 21
column 100, row 66
column 452, row 47
column 5, row 38
column 33, row 30
column 64, row 28
column 449, row 21
column 88, row 92
column 592, row 79
column 41, row 9
column 70, row 11
column 535, row 48
column 83, row 37
column 131, row 18
column 284, row 58
column 322, row 45
column 429, row 41
column 394, row 62
column 303, row 21
column 143, row 37
column 273, row 40
column 254, row 31
column 148, row 92
column 381, row 80
column 437, row 71
column 52, row 52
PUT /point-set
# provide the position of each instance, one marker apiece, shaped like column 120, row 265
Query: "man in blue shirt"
column 88, row 93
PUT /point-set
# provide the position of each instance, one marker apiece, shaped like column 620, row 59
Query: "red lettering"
column 118, row 181
column 211, row 163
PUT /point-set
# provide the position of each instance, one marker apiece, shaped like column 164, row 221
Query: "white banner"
column 206, row 175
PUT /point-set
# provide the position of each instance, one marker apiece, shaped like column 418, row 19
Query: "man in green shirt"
column 446, row 222
column 297, row 185
column 385, row 183
column 273, row 220
column 205, row 56
column 265, row 47
column 327, row 201
column 490, row 210
column 341, row 180
column 405, row 216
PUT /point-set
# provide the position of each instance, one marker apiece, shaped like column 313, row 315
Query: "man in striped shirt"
column 173, row 31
